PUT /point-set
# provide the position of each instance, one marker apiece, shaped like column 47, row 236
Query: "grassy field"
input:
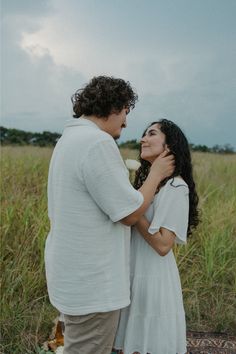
column 207, row 264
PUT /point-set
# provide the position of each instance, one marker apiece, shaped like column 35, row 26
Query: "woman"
column 155, row 321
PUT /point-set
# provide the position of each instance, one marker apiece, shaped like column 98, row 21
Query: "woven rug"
column 212, row 343
column 197, row 342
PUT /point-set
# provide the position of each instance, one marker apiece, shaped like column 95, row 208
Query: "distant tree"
column 202, row 148
column 3, row 133
column 216, row 148
column 130, row 144
column 227, row 149
column 20, row 137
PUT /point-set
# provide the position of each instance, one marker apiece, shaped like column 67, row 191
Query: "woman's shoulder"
column 176, row 182
column 176, row 185
column 175, row 189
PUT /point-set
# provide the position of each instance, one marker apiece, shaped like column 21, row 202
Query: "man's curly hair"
column 103, row 96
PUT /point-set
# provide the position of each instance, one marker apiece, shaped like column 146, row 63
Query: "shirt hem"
column 91, row 309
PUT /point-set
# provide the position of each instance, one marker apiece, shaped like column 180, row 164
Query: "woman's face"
column 153, row 143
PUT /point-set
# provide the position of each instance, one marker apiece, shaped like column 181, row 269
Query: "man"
column 91, row 205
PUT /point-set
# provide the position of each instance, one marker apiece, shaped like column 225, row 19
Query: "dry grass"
column 207, row 264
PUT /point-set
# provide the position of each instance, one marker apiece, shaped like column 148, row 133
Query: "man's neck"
column 100, row 122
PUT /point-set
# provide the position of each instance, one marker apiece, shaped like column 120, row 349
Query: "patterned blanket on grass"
column 212, row 343
column 197, row 342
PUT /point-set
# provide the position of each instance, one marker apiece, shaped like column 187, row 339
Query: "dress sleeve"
column 107, row 181
column 171, row 209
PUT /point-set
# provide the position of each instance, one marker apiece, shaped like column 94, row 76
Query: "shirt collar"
column 80, row 122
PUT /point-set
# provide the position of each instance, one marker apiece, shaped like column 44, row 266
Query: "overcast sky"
column 179, row 55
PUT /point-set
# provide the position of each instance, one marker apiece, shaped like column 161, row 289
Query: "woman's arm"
column 161, row 241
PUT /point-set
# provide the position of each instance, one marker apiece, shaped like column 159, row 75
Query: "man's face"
column 115, row 123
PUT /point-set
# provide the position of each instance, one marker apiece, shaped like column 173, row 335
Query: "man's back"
column 86, row 248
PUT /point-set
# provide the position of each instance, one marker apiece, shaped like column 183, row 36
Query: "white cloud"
column 182, row 75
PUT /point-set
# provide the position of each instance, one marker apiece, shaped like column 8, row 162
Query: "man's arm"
column 161, row 168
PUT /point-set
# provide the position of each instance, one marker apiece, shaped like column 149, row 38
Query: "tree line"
column 46, row 138
column 21, row 137
column 220, row 149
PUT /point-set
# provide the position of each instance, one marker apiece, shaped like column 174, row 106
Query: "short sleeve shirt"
column 87, row 249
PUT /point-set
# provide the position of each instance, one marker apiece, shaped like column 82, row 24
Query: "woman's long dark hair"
column 179, row 147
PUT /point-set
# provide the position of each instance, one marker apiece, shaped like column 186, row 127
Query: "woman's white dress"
column 155, row 320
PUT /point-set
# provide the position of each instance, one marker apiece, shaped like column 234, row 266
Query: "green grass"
column 26, row 313
column 207, row 264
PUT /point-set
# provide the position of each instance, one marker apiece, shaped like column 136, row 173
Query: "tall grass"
column 26, row 314
column 207, row 264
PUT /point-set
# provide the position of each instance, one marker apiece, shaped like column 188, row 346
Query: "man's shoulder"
column 88, row 132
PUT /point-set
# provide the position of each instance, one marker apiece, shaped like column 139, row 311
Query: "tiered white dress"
column 155, row 320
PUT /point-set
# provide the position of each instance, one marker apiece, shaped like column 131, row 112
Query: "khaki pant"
column 90, row 334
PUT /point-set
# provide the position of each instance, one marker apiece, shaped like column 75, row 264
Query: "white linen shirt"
column 87, row 249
